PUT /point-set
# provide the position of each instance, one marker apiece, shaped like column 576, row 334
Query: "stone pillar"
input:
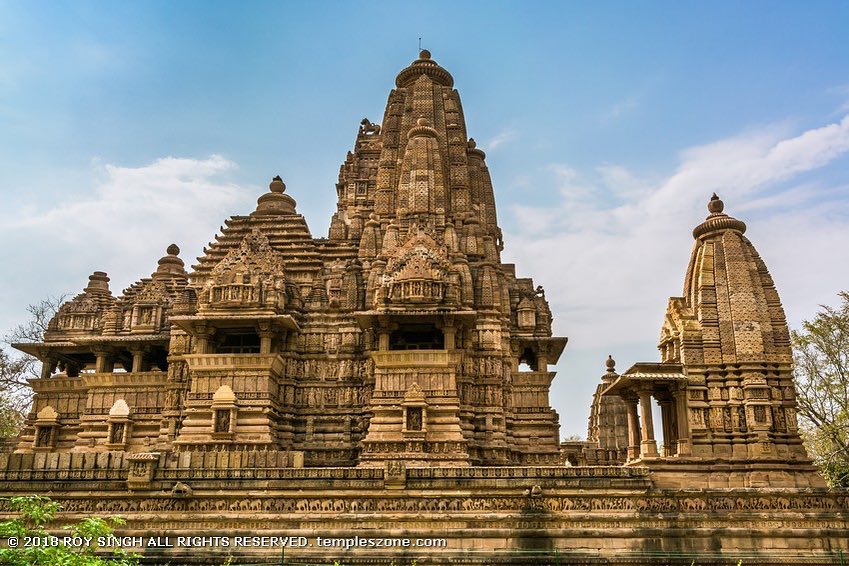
column 450, row 332
column 648, row 446
column 48, row 366
column 138, row 359
column 666, row 426
column 383, row 340
column 680, row 398
column 103, row 363
column 542, row 359
column 633, row 430
column 265, row 341
column 202, row 340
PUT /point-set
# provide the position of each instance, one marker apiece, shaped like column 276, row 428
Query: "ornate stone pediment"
column 84, row 313
column 252, row 275
column 417, row 272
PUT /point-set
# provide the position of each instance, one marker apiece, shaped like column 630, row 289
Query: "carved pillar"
column 138, row 359
column 48, row 366
column 450, row 332
column 648, row 446
column 633, row 429
column 666, row 426
column 104, row 362
column 201, row 340
column 680, row 399
column 542, row 358
column 383, row 340
column 265, row 336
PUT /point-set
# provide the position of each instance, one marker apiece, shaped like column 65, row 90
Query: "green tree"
column 35, row 512
column 821, row 353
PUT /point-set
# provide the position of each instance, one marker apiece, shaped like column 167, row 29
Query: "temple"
column 400, row 336
column 394, row 377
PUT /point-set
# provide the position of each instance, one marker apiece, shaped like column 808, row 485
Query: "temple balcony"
column 391, row 359
column 235, row 295
column 201, row 363
column 123, row 379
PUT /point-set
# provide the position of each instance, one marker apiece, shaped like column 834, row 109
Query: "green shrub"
column 34, row 513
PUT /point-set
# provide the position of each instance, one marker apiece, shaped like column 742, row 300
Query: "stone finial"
column 275, row 202
column 424, row 54
column 98, row 282
column 611, row 374
column 170, row 264
column 473, row 150
column 277, row 185
column 715, row 206
column 717, row 221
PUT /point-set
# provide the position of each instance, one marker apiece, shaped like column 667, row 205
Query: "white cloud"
column 123, row 227
column 501, row 138
column 628, row 253
column 610, row 259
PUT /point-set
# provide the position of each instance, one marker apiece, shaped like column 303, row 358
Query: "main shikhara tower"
column 398, row 337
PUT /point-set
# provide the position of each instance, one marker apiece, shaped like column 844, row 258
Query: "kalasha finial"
column 422, row 122
column 424, row 54
column 611, row 364
column 277, row 185
column 472, row 143
column 717, row 221
column 715, row 206
column 173, row 249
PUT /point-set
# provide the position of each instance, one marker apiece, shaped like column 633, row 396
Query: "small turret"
column 275, row 202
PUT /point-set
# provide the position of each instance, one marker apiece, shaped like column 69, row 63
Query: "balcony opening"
column 528, row 360
column 237, row 342
column 417, row 337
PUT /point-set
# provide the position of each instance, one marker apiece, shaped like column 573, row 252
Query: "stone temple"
column 392, row 380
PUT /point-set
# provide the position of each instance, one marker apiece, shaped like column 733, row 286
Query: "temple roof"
column 731, row 294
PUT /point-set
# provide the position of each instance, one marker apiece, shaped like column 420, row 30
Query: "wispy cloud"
column 616, row 246
column 125, row 223
column 501, row 138
column 620, row 258
column 842, row 93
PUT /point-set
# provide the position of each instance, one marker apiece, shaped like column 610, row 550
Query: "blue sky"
column 606, row 125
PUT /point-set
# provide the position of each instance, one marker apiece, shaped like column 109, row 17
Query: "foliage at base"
column 34, row 513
